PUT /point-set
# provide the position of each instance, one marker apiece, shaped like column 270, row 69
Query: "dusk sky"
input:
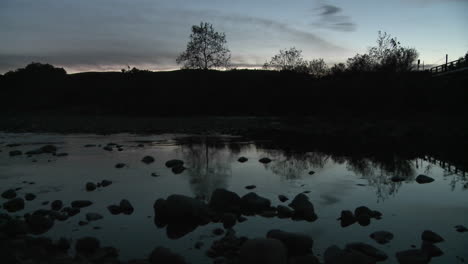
column 96, row 35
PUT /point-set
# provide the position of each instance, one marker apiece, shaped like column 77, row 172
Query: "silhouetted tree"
column 360, row 63
column 38, row 69
column 390, row 56
column 317, row 67
column 206, row 49
column 337, row 69
column 287, row 60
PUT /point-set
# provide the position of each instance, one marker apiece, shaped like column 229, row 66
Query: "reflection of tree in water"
column 292, row 165
column 378, row 173
column 209, row 161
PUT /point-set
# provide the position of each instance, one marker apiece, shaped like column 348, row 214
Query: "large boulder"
column 263, row 250
column 181, row 213
column 303, row 208
column 296, row 244
column 14, row 205
column 421, row 179
column 162, row 255
column 252, row 203
column 412, row 256
column 225, row 201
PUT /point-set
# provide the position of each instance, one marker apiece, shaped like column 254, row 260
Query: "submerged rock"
column 263, row 250
column 250, row 187
column 303, row 208
column 284, row 211
column 382, row 237
column 461, row 228
column 15, row 153
column 29, row 196
column 119, row 165
column 431, row 249
column 264, row 160
column 147, row 160
column 421, row 179
column 114, row 209
column 430, row 236
column 296, row 244
column 242, row 159
column 282, row 198
column 412, row 256
column 81, row 203
column 56, row 205
column 162, row 255
column 174, row 163
column 9, row 194
column 126, row 207
column 347, row 218
column 397, row 178
column 87, row 245
column 178, row 169
column 90, row 186
column 105, row 183
column 93, row 217
column 225, row 201
column 14, row 205
column 253, row 203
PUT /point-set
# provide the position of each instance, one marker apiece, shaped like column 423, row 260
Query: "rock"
column 178, row 169
column 311, row 172
column 431, row 249
column 105, row 183
column 39, row 224
column 303, row 208
column 335, row 255
column 174, row 163
column 430, row 236
column 90, row 186
column 81, row 203
column 107, row 148
column 263, row 250
column 114, row 209
column 182, row 214
column 82, row 223
column 14, row 205
column 228, row 220
column 15, row 153
column 29, row 196
column 241, row 219
column 56, row 205
column 461, row 228
column 225, row 201
column 89, row 145
column 284, row 211
column 87, row 245
column 126, row 207
column 421, row 179
column 367, row 250
column 296, row 244
column 73, row 211
column 147, row 160
column 363, row 219
column 242, row 159
column 362, row 210
column 9, row 194
column 120, row 165
column 307, row 259
column 347, row 218
column 282, row 198
column 154, row 174
column 412, row 256
column 93, row 217
column 264, row 160
column 253, row 203
column 48, row 149
column 250, row 187
column 12, row 145
column 218, row 231
column 382, row 237
column 62, row 154
column 161, row 255
column 397, row 178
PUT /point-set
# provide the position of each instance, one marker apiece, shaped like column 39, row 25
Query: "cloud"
column 331, row 18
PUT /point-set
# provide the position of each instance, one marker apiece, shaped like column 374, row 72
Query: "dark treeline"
column 40, row 87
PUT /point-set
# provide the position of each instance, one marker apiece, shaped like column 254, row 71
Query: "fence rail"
column 450, row 66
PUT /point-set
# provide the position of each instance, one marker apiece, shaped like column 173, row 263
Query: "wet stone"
column 242, row 159
column 147, row 160
column 56, row 205
column 282, row 198
column 90, row 186
column 14, row 205
column 29, row 196
column 250, row 187
column 126, row 207
column 264, row 160
column 105, row 183
column 81, row 203
column 461, row 228
column 431, row 236
column 382, row 237
column 119, row 165
column 9, row 194
column 93, row 217
column 421, row 179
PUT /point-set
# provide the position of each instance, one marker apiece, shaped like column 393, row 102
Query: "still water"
column 338, row 183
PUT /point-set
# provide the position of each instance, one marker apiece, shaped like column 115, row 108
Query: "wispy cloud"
column 330, row 16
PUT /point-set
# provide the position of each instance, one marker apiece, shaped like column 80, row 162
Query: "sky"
column 106, row 35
